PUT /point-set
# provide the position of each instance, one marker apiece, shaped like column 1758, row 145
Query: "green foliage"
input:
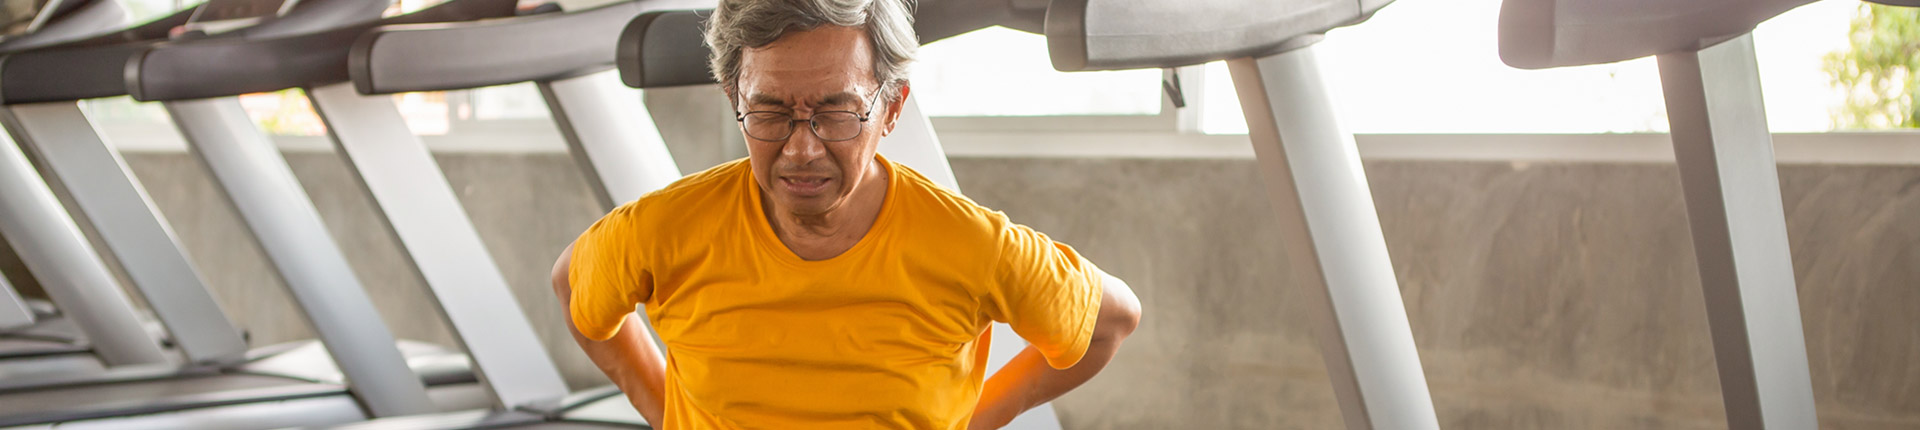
column 1880, row 70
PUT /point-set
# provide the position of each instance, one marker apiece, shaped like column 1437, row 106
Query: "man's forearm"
column 634, row 364
column 629, row 358
column 1027, row 381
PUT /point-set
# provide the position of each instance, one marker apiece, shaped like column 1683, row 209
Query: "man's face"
column 825, row 69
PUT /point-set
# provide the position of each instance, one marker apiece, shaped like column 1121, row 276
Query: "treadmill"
column 392, row 165
column 1312, row 170
column 656, row 49
column 99, row 327
column 1724, row 153
column 284, row 385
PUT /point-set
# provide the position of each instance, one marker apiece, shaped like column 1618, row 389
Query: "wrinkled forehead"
column 819, row 66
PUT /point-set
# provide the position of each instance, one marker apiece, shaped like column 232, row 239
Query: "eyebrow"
column 839, row 98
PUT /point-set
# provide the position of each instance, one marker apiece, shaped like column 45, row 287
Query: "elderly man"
column 817, row 284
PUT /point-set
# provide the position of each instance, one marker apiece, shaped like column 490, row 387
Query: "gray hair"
column 740, row 24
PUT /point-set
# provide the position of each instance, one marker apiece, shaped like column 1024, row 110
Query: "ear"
column 893, row 109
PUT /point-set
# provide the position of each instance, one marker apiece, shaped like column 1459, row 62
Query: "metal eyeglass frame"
column 812, row 126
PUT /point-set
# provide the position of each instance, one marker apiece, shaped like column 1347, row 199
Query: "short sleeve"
column 607, row 274
column 1047, row 292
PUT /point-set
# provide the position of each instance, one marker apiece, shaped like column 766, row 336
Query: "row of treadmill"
column 91, row 359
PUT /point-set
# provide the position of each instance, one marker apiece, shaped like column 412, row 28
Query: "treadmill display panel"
column 18, row 16
column 223, row 15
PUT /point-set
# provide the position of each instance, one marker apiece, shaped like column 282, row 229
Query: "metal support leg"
column 13, row 309
column 59, row 256
column 609, row 133
column 433, row 229
column 1725, row 153
column 914, row 144
column 605, row 128
column 1334, row 244
column 111, row 197
column 268, row 197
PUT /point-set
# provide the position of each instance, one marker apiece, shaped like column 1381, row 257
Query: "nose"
column 803, row 147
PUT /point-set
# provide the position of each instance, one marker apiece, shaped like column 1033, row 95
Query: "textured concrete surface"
column 1542, row 296
column 1557, row 295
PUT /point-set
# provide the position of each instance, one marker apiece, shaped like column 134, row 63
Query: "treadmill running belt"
column 23, row 346
column 89, row 401
column 569, row 426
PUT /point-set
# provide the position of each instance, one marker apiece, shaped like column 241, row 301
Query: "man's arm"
column 1027, row 381
column 629, row 358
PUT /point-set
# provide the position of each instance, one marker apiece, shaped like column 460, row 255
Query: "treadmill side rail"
column 66, row 264
column 624, row 157
column 1739, row 228
column 110, row 196
column 13, row 309
column 426, row 217
column 1336, row 250
column 249, row 168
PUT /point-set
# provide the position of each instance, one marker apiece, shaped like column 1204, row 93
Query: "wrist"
column 996, row 412
column 988, row 419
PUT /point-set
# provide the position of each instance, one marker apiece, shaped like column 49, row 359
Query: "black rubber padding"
column 228, row 67
column 664, row 49
column 496, row 52
column 1136, row 34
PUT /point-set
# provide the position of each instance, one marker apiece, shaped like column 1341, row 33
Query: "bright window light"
column 1003, row 72
column 1434, row 67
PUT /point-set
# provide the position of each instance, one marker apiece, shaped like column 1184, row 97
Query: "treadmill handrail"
column 93, row 67
column 1131, row 34
column 155, row 30
column 228, row 66
column 313, row 17
column 668, row 48
column 495, row 52
column 81, row 21
column 1539, row 34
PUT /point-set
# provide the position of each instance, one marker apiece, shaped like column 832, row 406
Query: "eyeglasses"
column 829, row 126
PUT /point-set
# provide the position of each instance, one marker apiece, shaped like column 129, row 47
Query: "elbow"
column 561, row 268
column 1120, row 312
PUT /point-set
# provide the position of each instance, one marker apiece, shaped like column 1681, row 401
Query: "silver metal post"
column 1337, row 252
column 914, row 144
column 614, row 141
column 13, row 309
column 433, row 229
column 607, row 130
column 60, row 257
column 1725, row 154
column 268, row 197
column 110, row 196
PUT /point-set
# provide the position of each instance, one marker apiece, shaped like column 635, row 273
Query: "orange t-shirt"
column 893, row 333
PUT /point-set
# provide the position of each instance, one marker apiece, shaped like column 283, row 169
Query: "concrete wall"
column 1542, row 295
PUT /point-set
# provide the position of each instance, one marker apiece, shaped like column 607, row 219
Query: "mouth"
column 805, row 186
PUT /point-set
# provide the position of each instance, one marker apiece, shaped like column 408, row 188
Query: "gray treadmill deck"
column 103, row 398
column 592, row 409
column 298, row 371
column 13, row 346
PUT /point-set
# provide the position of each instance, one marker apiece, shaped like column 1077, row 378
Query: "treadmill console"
column 22, row 16
column 219, row 16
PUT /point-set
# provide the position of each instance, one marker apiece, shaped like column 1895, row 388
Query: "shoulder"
column 698, row 196
column 692, row 193
column 934, row 208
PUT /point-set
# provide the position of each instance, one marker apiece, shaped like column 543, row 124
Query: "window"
column 998, row 71
column 1434, row 67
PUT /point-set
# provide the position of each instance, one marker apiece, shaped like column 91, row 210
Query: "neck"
column 850, row 220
